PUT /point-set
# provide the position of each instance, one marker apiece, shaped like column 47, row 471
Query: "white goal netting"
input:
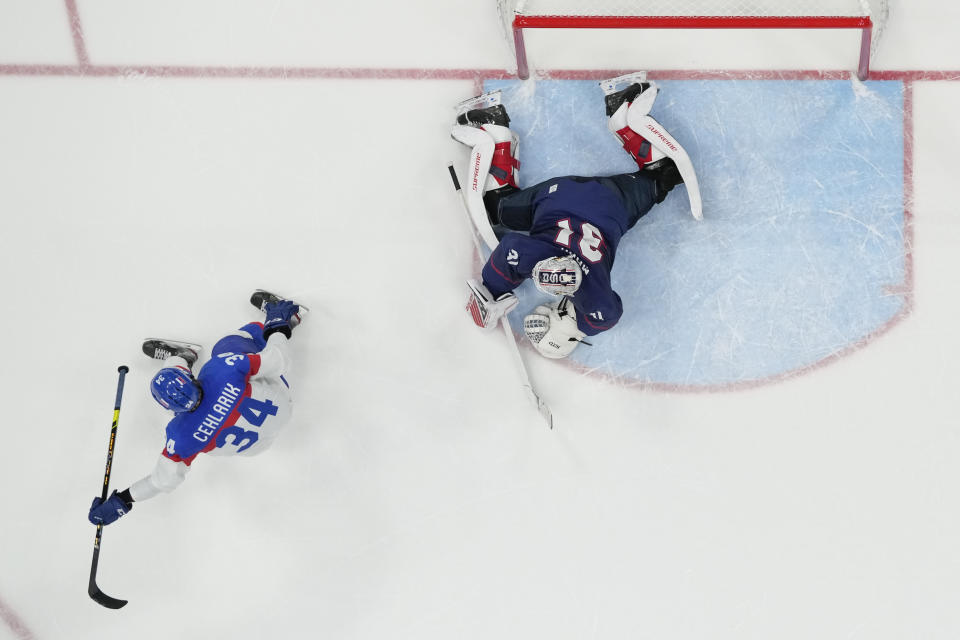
column 721, row 8
column 868, row 16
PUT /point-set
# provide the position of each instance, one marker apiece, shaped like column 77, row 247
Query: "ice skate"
column 162, row 348
column 613, row 85
column 484, row 109
column 479, row 103
column 628, row 95
column 261, row 298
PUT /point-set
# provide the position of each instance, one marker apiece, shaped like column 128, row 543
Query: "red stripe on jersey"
column 254, row 363
column 599, row 327
column 503, row 275
column 176, row 458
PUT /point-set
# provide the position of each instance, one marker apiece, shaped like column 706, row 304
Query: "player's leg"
column 656, row 152
column 492, row 171
column 495, row 122
column 246, row 339
column 638, row 191
column 639, row 97
column 173, row 353
column 514, row 210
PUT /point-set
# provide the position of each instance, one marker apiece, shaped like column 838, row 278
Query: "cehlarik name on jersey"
column 222, row 408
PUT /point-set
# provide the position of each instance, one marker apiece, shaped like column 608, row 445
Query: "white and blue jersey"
column 246, row 402
column 580, row 217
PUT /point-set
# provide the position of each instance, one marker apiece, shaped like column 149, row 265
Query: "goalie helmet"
column 558, row 276
column 175, row 389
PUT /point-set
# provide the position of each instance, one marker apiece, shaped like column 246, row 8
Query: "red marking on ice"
column 76, row 30
column 14, row 623
column 903, row 289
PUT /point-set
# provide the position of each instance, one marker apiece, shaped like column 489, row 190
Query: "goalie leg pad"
column 473, row 187
column 668, row 146
column 648, row 142
column 499, row 148
column 492, row 165
column 639, row 148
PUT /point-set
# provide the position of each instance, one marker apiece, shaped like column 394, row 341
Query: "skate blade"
column 612, row 85
column 488, row 99
column 151, row 345
column 176, row 343
column 261, row 296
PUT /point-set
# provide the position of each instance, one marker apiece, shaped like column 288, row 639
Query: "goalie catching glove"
column 553, row 329
column 486, row 311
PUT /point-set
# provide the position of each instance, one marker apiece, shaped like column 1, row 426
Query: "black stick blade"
column 103, row 599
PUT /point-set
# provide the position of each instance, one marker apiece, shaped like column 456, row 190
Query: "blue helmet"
column 175, row 389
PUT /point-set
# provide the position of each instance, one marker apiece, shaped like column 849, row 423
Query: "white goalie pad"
column 478, row 165
column 662, row 141
column 483, row 145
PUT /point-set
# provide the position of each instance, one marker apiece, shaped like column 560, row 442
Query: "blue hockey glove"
column 282, row 316
column 110, row 511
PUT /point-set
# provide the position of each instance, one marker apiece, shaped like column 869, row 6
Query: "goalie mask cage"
column 868, row 16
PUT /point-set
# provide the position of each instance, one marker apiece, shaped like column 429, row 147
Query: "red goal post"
column 869, row 16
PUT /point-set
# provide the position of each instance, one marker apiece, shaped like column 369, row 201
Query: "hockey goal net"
column 867, row 16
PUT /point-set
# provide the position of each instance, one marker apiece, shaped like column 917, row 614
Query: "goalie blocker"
column 484, row 309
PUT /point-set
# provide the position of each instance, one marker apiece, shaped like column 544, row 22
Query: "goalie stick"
column 511, row 339
column 92, row 589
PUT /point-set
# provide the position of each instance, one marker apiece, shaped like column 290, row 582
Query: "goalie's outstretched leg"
column 482, row 123
column 648, row 142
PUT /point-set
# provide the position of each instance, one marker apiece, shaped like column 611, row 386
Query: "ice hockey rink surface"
column 766, row 447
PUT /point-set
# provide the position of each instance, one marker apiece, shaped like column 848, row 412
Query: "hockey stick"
column 99, row 596
column 511, row 339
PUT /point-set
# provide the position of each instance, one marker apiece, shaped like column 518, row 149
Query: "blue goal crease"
column 803, row 232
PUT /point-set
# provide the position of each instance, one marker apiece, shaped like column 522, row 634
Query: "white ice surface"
column 416, row 494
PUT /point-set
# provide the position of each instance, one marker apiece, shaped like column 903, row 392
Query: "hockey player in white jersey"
column 236, row 404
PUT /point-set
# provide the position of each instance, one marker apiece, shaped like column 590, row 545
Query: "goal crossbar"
column 521, row 22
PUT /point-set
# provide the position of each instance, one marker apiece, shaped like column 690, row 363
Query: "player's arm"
column 503, row 271
column 492, row 298
column 595, row 317
column 167, row 475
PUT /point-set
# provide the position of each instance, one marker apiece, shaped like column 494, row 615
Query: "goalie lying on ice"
column 563, row 233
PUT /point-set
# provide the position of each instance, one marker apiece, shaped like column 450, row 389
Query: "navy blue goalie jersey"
column 580, row 217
